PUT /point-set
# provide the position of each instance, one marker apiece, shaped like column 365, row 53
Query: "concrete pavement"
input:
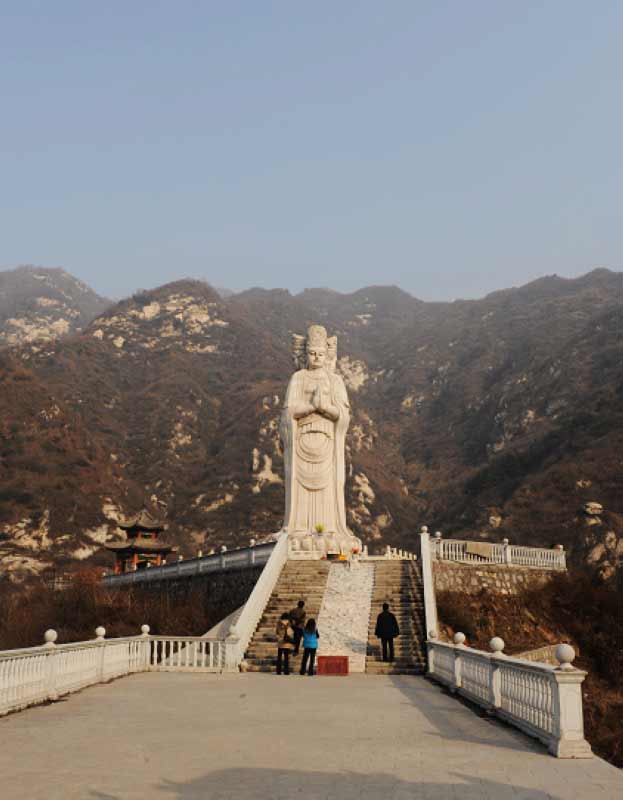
column 191, row 736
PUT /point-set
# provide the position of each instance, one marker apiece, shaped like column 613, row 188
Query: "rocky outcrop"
column 38, row 305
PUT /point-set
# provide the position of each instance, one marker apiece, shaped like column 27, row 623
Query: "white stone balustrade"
column 37, row 674
column 498, row 553
column 255, row 555
column 542, row 700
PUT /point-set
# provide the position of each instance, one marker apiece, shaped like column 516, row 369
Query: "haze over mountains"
column 500, row 417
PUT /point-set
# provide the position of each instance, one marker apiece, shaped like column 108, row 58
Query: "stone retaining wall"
column 495, row 578
column 219, row 592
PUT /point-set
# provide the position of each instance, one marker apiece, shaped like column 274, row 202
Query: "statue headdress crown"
column 316, row 336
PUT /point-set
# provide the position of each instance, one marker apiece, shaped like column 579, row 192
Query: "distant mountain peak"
column 40, row 304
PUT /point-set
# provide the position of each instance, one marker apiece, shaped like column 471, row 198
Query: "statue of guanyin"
column 314, row 421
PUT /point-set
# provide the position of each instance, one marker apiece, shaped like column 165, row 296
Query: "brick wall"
column 495, row 578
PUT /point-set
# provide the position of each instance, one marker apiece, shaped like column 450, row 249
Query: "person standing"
column 387, row 630
column 310, row 645
column 285, row 643
column 297, row 618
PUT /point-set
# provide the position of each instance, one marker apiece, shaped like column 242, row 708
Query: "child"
column 310, row 645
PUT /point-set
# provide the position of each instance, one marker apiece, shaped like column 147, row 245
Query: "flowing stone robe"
column 314, row 461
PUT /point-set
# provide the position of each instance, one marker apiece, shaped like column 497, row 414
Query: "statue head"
column 316, row 347
column 316, row 350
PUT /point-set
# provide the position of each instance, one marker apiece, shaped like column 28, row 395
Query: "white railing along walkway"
column 36, row 674
column 542, row 700
column 468, row 552
column 256, row 555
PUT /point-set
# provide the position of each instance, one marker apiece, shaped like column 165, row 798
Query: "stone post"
column 495, row 683
column 430, row 603
column 437, row 549
column 50, row 637
column 459, row 639
column 100, row 633
column 568, row 736
column 231, row 650
column 507, row 551
column 146, row 647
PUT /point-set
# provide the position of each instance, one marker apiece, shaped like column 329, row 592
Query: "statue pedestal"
column 309, row 546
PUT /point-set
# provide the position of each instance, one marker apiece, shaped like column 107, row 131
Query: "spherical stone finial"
column 565, row 654
column 497, row 645
column 50, row 636
column 437, row 534
column 100, row 632
column 223, row 548
column 505, row 542
column 252, row 543
column 459, row 638
column 145, row 630
column 424, row 529
column 432, row 634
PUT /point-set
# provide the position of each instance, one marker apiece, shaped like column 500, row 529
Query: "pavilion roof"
column 143, row 520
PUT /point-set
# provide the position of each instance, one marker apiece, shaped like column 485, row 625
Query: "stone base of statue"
column 323, row 545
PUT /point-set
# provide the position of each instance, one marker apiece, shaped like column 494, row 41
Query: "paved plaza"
column 173, row 736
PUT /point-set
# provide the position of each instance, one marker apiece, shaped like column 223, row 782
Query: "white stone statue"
column 314, row 421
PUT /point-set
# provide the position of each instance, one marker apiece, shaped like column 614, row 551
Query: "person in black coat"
column 387, row 630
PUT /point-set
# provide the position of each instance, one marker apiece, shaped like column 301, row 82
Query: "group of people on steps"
column 292, row 627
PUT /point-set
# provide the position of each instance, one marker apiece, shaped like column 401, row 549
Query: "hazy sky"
column 451, row 148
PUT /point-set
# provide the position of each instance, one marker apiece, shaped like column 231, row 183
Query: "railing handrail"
column 249, row 556
column 244, row 628
column 456, row 550
column 41, row 648
column 428, row 583
column 543, row 700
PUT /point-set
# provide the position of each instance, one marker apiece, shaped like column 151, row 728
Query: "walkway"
column 209, row 737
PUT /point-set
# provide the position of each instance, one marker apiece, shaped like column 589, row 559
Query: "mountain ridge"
column 486, row 418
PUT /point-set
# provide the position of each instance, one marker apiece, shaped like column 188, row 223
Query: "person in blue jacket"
column 310, row 645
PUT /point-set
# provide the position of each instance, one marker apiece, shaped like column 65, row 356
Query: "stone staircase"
column 398, row 583
column 299, row 580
